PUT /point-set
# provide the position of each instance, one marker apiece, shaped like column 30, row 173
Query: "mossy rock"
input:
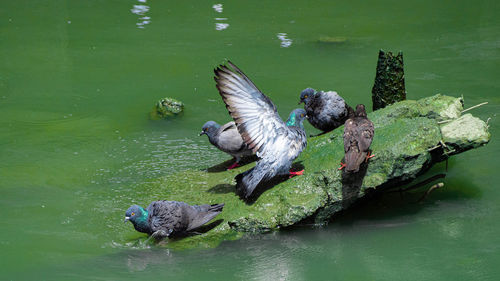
column 407, row 142
column 167, row 107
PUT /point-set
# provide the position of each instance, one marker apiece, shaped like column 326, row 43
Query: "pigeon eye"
column 305, row 96
column 301, row 115
column 133, row 214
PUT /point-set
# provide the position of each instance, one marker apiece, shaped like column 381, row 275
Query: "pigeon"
column 228, row 139
column 325, row 110
column 358, row 135
column 170, row 218
column 275, row 142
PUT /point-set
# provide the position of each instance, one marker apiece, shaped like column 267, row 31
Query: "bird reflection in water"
column 141, row 10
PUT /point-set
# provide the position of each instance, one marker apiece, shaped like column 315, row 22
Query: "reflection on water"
column 139, row 261
column 220, row 25
column 141, row 10
column 218, row 8
column 57, row 224
column 271, row 265
column 285, row 42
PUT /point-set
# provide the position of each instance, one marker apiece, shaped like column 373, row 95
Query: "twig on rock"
column 417, row 185
column 445, row 121
column 432, row 188
column 478, row 105
column 442, row 143
column 434, row 147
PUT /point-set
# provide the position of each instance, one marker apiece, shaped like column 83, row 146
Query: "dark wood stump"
column 389, row 84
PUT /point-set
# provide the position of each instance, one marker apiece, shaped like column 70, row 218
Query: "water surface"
column 78, row 78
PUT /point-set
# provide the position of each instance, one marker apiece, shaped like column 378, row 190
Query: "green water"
column 78, row 79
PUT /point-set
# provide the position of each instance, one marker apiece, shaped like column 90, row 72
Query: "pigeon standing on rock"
column 358, row 135
column 325, row 110
column 228, row 139
column 275, row 142
column 169, row 218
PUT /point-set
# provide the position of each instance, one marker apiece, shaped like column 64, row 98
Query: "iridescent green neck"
column 291, row 120
column 144, row 216
column 141, row 223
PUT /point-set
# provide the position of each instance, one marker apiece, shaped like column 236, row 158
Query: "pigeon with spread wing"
column 275, row 142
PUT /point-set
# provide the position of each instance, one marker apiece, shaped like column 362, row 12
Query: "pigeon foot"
column 342, row 166
column 235, row 164
column 369, row 156
column 160, row 234
column 298, row 173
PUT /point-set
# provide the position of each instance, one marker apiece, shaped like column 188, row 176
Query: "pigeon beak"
column 126, row 219
column 307, row 116
column 202, row 133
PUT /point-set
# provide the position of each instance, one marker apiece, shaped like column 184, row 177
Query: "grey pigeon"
column 325, row 110
column 169, row 218
column 358, row 135
column 228, row 139
column 275, row 142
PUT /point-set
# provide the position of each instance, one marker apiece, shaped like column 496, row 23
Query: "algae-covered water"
column 79, row 78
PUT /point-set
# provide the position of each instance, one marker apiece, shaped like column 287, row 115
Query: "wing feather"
column 349, row 128
column 253, row 112
column 365, row 132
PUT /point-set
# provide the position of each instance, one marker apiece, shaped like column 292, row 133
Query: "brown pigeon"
column 358, row 135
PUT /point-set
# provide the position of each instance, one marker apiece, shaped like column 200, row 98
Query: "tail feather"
column 249, row 180
column 353, row 160
column 216, row 207
column 205, row 214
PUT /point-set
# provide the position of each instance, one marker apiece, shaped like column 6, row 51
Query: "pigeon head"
column 306, row 95
column 296, row 117
column 350, row 112
column 209, row 128
column 360, row 110
column 138, row 216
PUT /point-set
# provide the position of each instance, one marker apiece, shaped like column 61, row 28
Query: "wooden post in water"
column 389, row 84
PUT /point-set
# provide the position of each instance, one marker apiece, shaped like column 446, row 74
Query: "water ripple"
column 141, row 10
column 285, row 41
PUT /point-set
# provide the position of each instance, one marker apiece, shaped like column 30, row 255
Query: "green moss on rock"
column 166, row 107
column 465, row 132
column 406, row 135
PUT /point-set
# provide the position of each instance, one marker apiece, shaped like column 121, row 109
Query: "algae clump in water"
column 167, row 107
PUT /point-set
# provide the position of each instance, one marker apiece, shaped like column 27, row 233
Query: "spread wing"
column 255, row 115
column 228, row 126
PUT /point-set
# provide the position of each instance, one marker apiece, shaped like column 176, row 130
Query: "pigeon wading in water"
column 358, row 135
column 228, row 139
column 170, row 218
column 275, row 142
column 325, row 110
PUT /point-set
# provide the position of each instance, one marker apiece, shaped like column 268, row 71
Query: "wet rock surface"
column 409, row 138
